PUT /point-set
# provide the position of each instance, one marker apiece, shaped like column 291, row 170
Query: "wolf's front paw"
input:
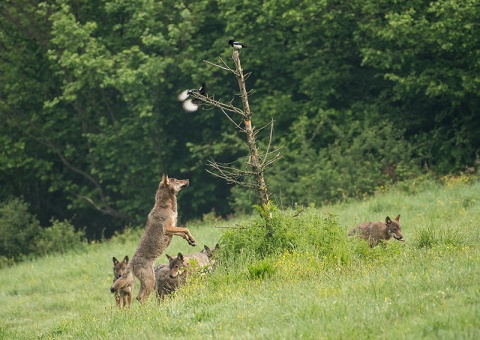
column 191, row 242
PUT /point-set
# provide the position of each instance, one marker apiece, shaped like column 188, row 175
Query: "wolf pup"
column 374, row 232
column 123, row 296
column 210, row 252
column 199, row 260
column 159, row 231
column 203, row 260
column 173, row 275
column 170, row 276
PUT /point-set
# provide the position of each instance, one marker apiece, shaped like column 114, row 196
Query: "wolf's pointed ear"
column 217, row 246
column 206, row 248
column 180, row 256
column 115, row 261
column 388, row 220
column 169, row 257
column 165, row 180
column 125, row 259
column 397, row 218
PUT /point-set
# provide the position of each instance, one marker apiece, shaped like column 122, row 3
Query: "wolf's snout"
column 112, row 290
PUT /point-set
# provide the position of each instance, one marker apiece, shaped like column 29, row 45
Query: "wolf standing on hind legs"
column 159, row 231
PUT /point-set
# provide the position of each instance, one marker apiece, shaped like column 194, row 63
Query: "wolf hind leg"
column 117, row 300
column 128, row 298
column 147, row 282
column 124, row 299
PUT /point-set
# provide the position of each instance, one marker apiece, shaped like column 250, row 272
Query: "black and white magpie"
column 237, row 44
column 192, row 104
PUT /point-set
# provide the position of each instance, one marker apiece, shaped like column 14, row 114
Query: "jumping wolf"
column 123, row 297
column 374, row 232
column 159, row 231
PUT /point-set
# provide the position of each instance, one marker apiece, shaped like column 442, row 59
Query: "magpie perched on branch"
column 192, row 104
column 238, row 45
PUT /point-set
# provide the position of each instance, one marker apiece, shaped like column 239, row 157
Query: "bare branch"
column 210, row 100
column 228, row 227
column 231, row 174
column 256, row 131
column 234, row 122
column 230, row 177
column 216, row 65
column 266, row 163
column 270, row 138
column 299, row 212
column 226, row 67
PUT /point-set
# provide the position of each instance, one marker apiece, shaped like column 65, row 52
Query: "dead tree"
column 251, row 176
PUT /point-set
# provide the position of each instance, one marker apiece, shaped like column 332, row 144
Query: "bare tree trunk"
column 253, row 162
column 251, row 177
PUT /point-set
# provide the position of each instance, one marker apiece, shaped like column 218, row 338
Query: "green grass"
column 427, row 287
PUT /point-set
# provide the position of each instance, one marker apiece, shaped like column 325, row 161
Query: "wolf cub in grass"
column 174, row 274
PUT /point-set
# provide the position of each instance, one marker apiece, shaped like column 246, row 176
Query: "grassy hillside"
column 427, row 287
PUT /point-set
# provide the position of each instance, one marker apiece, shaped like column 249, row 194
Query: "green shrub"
column 18, row 227
column 429, row 238
column 60, row 237
column 6, row 262
column 286, row 231
column 261, row 269
column 22, row 236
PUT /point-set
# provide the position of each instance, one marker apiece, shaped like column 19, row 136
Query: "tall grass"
column 318, row 285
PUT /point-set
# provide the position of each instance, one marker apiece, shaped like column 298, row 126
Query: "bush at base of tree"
column 287, row 231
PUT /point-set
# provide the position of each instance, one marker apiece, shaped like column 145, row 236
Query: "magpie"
column 202, row 90
column 237, row 44
column 192, row 104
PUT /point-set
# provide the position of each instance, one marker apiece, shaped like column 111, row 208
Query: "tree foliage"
column 362, row 93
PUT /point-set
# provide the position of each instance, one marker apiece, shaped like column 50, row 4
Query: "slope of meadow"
column 427, row 287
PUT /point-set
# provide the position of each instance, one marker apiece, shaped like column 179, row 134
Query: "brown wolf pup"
column 201, row 261
column 170, row 276
column 210, row 252
column 159, row 231
column 123, row 296
column 374, row 232
column 173, row 275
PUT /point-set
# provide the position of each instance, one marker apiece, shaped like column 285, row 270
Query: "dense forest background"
column 364, row 93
